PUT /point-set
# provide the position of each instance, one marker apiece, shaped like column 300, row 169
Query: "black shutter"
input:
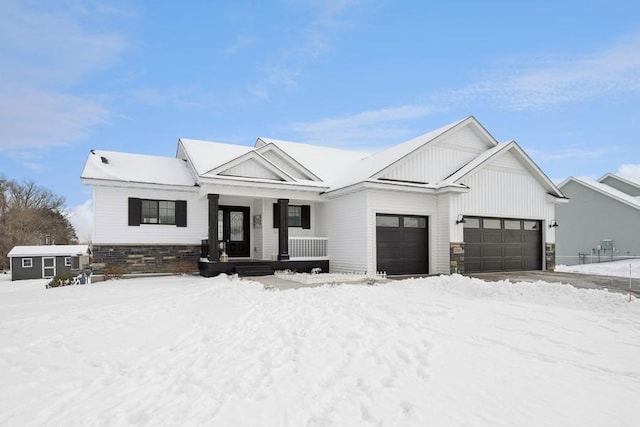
column 135, row 211
column 306, row 216
column 181, row 213
column 276, row 216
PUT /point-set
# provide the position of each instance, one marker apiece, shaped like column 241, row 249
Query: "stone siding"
column 145, row 259
column 550, row 255
column 456, row 257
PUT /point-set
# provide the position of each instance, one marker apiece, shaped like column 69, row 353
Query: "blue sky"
column 562, row 78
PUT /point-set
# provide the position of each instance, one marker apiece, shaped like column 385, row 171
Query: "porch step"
column 254, row 269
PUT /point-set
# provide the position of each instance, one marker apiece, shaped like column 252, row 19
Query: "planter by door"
column 233, row 229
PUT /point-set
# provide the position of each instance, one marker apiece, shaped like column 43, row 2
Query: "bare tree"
column 31, row 215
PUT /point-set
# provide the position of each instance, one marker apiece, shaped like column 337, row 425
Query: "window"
column 67, row 261
column 415, row 222
column 471, row 223
column 511, row 224
column 158, row 212
column 387, row 221
column 297, row 216
column 27, row 262
column 493, row 224
column 164, row 212
column 294, row 216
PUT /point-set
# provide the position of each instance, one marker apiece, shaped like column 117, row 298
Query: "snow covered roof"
column 328, row 163
column 206, row 156
column 604, row 189
column 140, row 168
column 48, row 250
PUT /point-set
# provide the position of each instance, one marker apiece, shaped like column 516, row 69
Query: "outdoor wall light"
column 553, row 223
column 460, row 219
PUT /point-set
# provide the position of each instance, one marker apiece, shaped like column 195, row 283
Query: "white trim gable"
column 634, row 189
column 437, row 157
column 250, row 165
column 519, row 159
column 284, row 161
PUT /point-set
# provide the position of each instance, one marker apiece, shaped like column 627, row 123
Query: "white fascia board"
column 405, row 187
column 132, row 184
column 618, row 178
column 554, row 199
column 260, row 193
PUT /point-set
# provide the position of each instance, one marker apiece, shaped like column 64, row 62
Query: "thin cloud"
column 614, row 70
column 369, row 128
column 630, row 171
column 316, row 42
column 240, row 43
column 47, row 52
column 81, row 218
column 567, row 153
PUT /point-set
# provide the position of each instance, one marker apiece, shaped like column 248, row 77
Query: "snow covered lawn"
column 613, row 268
column 442, row 351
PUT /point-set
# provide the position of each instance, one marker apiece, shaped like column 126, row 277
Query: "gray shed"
column 43, row 262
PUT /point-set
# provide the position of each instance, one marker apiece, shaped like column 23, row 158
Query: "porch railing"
column 302, row 248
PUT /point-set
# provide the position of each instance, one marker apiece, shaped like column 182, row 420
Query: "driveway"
column 589, row 281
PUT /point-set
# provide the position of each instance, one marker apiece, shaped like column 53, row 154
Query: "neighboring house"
column 602, row 222
column 43, row 262
column 452, row 200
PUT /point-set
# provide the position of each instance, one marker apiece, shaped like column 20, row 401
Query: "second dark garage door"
column 500, row 244
column 402, row 244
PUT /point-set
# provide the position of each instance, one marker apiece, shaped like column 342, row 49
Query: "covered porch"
column 252, row 236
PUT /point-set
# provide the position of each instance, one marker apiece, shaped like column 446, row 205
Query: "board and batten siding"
column 443, row 222
column 346, row 227
column 504, row 189
column 401, row 203
column 111, row 213
column 435, row 161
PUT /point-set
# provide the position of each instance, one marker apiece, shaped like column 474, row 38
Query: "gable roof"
column 605, row 190
column 138, row 168
column 327, row 163
column 632, row 188
column 206, row 156
column 498, row 150
column 48, row 250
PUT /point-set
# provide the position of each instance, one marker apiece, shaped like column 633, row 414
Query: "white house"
column 452, row 200
column 602, row 222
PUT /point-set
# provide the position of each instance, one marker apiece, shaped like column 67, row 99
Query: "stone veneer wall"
column 456, row 257
column 144, row 259
column 550, row 255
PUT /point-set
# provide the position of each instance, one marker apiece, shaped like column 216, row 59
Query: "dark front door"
column 233, row 230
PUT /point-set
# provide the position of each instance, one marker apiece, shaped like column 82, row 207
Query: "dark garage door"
column 499, row 244
column 402, row 244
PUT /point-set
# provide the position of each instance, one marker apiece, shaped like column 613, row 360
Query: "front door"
column 233, row 230
column 48, row 267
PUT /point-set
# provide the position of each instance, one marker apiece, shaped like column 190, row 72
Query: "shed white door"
column 48, row 267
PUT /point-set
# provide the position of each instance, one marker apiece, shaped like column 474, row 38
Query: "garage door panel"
column 493, row 244
column 402, row 244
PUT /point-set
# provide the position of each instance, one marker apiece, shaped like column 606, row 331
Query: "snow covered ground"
column 441, row 351
column 614, row 268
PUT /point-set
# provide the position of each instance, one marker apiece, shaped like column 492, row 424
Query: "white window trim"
column 30, row 263
column 67, row 261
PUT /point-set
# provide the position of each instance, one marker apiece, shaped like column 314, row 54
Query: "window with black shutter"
column 297, row 216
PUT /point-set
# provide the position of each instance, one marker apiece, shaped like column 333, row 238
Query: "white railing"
column 302, row 248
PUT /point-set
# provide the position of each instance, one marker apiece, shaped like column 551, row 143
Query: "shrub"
column 112, row 271
column 184, row 268
column 60, row 280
